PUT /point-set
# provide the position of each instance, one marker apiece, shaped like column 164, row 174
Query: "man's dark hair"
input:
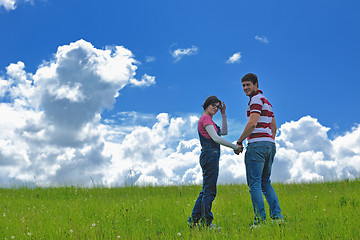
column 250, row 77
column 210, row 100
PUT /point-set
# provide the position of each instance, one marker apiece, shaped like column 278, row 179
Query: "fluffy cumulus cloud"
column 155, row 154
column 235, row 58
column 305, row 153
column 52, row 131
column 171, row 153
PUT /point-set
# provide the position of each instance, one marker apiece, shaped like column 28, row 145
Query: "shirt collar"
column 256, row 93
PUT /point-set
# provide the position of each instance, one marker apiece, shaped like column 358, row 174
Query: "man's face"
column 249, row 88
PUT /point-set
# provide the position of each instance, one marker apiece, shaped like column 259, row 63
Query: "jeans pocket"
column 258, row 153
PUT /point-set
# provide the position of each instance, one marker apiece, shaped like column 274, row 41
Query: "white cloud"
column 157, row 154
column 305, row 153
column 145, row 81
column 150, row 59
column 234, row 58
column 262, row 39
column 8, row 4
column 52, row 121
column 12, row 4
column 52, row 131
column 181, row 52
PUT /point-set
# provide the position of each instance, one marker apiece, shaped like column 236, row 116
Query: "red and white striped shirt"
column 259, row 104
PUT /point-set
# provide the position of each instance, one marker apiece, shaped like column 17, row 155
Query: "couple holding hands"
column 260, row 132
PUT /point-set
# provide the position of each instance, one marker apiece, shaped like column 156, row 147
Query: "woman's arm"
column 224, row 129
column 211, row 131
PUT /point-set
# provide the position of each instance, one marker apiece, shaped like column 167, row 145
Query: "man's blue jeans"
column 209, row 162
column 259, row 158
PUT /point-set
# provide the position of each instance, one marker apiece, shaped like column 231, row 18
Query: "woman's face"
column 213, row 108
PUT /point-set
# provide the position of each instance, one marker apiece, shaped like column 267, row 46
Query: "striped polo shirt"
column 259, row 104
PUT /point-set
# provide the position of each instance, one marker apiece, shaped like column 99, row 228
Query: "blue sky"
column 305, row 54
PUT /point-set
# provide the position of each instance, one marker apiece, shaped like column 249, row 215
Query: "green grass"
column 312, row 211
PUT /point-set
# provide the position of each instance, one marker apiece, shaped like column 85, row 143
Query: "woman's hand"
column 223, row 108
column 239, row 149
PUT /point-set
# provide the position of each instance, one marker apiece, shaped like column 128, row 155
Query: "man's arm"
column 250, row 126
column 273, row 127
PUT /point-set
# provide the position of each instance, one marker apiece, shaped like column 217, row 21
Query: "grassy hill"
column 328, row 210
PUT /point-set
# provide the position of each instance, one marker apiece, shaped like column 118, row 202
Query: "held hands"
column 239, row 149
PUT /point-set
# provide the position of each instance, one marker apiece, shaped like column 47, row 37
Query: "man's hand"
column 239, row 149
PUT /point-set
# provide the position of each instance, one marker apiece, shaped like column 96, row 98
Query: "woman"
column 210, row 140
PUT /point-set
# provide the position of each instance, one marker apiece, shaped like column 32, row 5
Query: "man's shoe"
column 213, row 227
column 277, row 221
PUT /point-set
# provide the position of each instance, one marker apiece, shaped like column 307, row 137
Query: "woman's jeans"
column 259, row 158
column 209, row 161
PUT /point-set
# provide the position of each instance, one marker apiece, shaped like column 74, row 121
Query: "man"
column 260, row 132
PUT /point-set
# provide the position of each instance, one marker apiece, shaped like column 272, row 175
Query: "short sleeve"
column 256, row 105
